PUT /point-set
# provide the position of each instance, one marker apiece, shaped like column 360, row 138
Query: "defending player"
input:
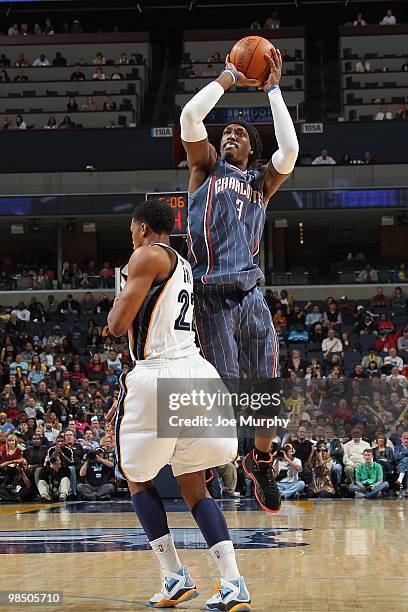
column 155, row 308
column 227, row 203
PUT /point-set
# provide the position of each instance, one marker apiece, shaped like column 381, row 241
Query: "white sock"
column 223, row 554
column 166, row 553
column 401, row 477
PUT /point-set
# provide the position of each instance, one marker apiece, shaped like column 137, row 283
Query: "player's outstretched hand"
column 275, row 64
column 110, row 416
column 242, row 81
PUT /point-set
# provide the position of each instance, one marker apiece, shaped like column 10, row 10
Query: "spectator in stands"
column 209, row 71
column 287, row 473
column 255, row 25
column 99, row 74
column 368, row 158
column 385, row 325
column 48, row 27
column 70, row 306
column 99, row 59
column 41, row 61
column 37, row 31
column 117, row 75
column 4, row 61
column 388, row 19
column 76, row 27
column 7, row 123
column 323, row 159
column 332, row 316
column 384, row 455
column 89, row 104
column 404, row 67
column 391, row 361
column 272, row 23
column 360, row 21
column 380, row 299
column 321, row 465
column 77, row 75
column 107, row 274
column 51, row 124
column 25, row 280
column 383, row 113
column 331, row 344
column 363, row 65
column 21, row 61
column 401, row 458
column 20, row 123
column 24, row 29
column 123, row 60
column 368, row 275
column 313, row 317
column 400, row 275
column 403, row 341
column 72, row 106
column 20, row 77
column 369, row 478
column 59, row 60
column 353, row 454
column 346, row 159
column 402, row 113
column 13, row 30
column 109, row 104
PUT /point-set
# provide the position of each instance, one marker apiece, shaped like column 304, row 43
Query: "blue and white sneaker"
column 232, row 596
column 177, row 588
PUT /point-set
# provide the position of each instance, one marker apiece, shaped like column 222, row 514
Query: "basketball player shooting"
column 228, row 197
column 155, row 308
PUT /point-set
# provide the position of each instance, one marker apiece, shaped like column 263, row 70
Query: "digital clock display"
column 178, row 201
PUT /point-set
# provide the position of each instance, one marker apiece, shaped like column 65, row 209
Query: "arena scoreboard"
column 178, row 201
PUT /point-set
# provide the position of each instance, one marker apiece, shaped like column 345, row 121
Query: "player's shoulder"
column 151, row 257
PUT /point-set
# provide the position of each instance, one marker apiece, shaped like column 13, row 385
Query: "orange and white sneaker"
column 265, row 488
column 231, row 595
column 177, row 588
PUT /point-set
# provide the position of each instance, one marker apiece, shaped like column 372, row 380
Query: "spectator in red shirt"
column 279, row 318
column 106, row 273
column 384, row 325
column 384, row 343
column 96, row 370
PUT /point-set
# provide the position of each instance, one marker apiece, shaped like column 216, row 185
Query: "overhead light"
column 17, row 229
column 89, row 228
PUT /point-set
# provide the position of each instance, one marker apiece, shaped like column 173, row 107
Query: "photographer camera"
column 54, row 481
column 287, row 468
column 96, row 472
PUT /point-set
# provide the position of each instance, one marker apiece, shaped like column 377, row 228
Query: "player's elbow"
column 116, row 328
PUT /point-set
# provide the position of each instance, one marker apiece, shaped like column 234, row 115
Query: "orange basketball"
column 247, row 55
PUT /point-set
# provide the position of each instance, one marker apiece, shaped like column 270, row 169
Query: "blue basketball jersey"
column 226, row 219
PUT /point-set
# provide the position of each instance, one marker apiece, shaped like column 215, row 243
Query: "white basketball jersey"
column 163, row 327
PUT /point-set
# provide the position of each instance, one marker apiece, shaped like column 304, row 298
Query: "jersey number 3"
column 185, row 298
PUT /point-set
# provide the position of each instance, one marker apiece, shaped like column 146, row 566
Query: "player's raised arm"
column 279, row 168
column 145, row 266
column 201, row 155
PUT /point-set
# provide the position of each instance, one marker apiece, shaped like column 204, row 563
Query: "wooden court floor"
column 313, row 556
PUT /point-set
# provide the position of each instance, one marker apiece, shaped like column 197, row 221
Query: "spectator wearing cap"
column 56, row 338
column 392, row 361
column 97, row 431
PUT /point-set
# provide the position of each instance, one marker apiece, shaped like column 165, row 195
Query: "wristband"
column 232, row 73
column 272, row 88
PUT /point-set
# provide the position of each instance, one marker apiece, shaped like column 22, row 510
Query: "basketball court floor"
column 312, row 556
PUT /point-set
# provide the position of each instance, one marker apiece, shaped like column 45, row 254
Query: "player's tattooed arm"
column 146, row 265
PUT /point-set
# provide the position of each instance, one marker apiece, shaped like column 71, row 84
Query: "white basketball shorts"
column 140, row 452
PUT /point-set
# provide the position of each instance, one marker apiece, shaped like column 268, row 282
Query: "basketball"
column 248, row 56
